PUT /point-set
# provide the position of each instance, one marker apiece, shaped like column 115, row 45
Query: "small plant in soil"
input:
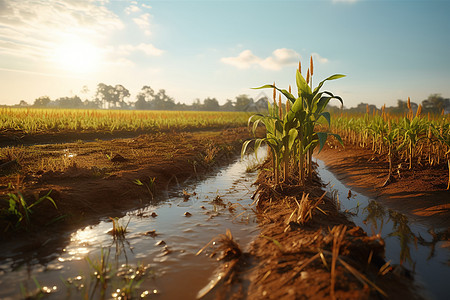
column 293, row 133
column 19, row 212
column 101, row 272
column 118, row 230
column 150, row 185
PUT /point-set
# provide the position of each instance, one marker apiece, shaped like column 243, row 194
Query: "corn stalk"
column 295, row 132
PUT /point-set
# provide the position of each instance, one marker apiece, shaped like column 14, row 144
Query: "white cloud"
column 280, row 58
column 149, row 49
column 125, row 50
column 319, row 58
column 143, row 21
column 33, row 28
column 146, row 6
column 243, row 61
column 132, row 9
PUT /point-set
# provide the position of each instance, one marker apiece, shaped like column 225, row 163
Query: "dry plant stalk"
column 338, row 233
column 227, row 245
column 304, row 209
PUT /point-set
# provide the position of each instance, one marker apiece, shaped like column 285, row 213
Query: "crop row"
column 411, row 138
column 32, row 120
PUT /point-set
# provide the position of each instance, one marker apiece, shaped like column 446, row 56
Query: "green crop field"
column 34, row 120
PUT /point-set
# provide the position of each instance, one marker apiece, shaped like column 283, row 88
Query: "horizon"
column 221, row 49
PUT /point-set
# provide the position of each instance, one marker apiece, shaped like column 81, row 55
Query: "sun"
column 77, row 56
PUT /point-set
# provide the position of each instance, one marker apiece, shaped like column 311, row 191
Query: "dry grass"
column 303, row 212
column 229, row 248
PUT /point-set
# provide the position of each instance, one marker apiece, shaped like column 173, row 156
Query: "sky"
column 388, row 49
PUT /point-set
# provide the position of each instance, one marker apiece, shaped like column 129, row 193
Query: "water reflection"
column 405, row 236
column 376, row 215
column 219, row 202
column 422, row 249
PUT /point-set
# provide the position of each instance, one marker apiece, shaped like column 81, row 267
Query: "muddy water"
column 416, row 247
column 161, row 242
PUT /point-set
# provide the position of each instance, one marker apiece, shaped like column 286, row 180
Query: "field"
column 74, row 168
column 33, row 121
column 70, row 144
column 414, row 140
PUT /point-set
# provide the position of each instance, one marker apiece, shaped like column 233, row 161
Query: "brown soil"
column 292, row 259
column 89, row 180
column 419, row 193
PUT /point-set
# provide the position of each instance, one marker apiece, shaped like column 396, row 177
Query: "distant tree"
column 84, row 89
column 23, row 103
column 211, row 104
column 435, row 103
column 145, row 96
column 243, row 103
column 228, row 106
column 111, row 96
column 104, row 95
column 120, row 93
column 42, row 101
column 197, row 105
column 161, row 101
column 91, row 104
column 69, row 102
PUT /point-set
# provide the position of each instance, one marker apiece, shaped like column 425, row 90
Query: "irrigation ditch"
column 279, row 257
column 157, row 255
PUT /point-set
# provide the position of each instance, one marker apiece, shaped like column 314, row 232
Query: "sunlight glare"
column 77, row 56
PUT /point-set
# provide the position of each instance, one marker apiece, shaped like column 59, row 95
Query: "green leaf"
column 284, row 92
column 327, row 116
column 338, row 137
column 303, row 87
column 332, row 77
column 266, row 86
column 334, row 97
column 322, row 136
column 293, row 133
column 243, row 150
column 258, row 143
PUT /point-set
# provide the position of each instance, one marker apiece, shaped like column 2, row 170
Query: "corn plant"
column 413, row 129
column 389, row 139
column 443, row 136
column 295, row 133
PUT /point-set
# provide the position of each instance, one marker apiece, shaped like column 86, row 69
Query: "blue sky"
column 389, row 50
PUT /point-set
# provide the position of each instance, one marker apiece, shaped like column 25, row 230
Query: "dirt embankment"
column 305, row 252
column 419, row 193
column 89, row 180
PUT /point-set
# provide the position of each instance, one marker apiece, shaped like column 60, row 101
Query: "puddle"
column 155, row 259
column 408, row 243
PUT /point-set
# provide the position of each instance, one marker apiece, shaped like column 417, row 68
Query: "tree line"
column 118, row 97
